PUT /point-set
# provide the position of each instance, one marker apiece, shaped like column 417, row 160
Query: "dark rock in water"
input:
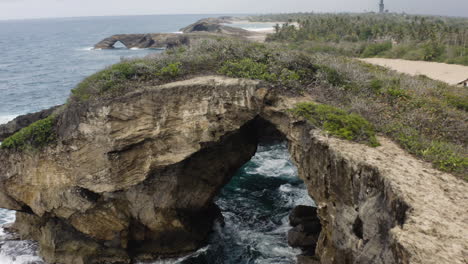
column 23, row 121
column 306, row 229
column 300, row 236
column 301, row 214
column 306, row 259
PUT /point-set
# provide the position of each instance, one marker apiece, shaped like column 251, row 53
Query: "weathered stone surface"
column 383, row 191
column 305, row 259
column 302, row 214
column 142, row 41
column 215, row 27
column 23, row 121
column 202, row 29
column 134, row 177
column 171, row 40
column 304, row 235
column 136, row 174
column 306, row 229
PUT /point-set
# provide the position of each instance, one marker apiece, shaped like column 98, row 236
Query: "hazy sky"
column 11, row 9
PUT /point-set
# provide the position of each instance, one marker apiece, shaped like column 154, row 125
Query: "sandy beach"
column 449, row 73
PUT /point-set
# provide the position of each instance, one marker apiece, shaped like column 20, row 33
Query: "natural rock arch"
column 128, row 179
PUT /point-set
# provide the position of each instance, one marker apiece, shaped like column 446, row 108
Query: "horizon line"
column 222, row 14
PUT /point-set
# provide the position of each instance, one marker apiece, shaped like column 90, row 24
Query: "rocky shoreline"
column 202, row 29
column 126, row 182
column 132, row 177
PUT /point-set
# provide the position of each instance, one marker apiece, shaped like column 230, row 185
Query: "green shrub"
column 375, row 49
column 36, row 135
column 459, row 102
column 442, row 154
column 105, row 80
column 332, row 76
column 432, row 51
column 247, row 68
column 397, row 93
column 337, row 122
column 376, row 85
column 170, row 71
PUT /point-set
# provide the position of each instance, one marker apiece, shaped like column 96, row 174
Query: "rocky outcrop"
column 306, row 227
column 214, row 27
column 141, row 41
column 134, row 177
column 168, row 40
column 202, row 29
column 23, row 121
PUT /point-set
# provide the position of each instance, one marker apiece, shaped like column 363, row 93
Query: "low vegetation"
column 338, row 122
column 425, row 117
column 36, row 135
column 403, row 36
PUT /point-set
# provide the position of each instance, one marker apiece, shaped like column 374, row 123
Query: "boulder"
column 303, row 236
column 306, row 259
column 302, row 214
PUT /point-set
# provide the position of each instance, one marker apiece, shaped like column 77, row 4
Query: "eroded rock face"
column 215, row 27
column 137, row 174
column 135, row 177
column 306, row 228
column 143, row 41
column 23, row 121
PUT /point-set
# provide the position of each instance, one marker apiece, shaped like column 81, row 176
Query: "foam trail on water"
column 87, row 48
column 6, row 118
column 12, row 250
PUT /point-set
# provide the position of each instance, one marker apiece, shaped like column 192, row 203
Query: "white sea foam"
column 179, row 260
column 6, row 118
column 88, row 48
column 19, row 252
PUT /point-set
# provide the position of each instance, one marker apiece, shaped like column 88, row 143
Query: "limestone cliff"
column 134, row 177
column 23, row 121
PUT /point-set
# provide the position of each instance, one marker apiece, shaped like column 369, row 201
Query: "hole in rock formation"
column 257, row 207
column 119, row 45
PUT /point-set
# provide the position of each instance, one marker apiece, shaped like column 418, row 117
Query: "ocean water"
column 42, row 60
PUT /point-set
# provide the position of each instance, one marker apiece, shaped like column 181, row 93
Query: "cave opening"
column 119, row 45
column 268, row 215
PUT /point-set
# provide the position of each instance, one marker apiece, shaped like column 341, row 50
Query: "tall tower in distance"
column 381, row 7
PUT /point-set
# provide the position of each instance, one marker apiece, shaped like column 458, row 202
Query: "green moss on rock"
column 36, row 135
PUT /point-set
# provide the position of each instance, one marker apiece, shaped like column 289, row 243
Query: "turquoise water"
column 255, row 205
column 42, row 60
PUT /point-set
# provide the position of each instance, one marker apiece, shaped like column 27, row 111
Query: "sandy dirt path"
column 449, row 73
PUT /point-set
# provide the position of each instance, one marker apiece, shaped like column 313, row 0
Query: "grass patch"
column 337, row 122
column 36, row 135
column 171, row 71
column 105, row 80
column 444, row 155
column 247, row 68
